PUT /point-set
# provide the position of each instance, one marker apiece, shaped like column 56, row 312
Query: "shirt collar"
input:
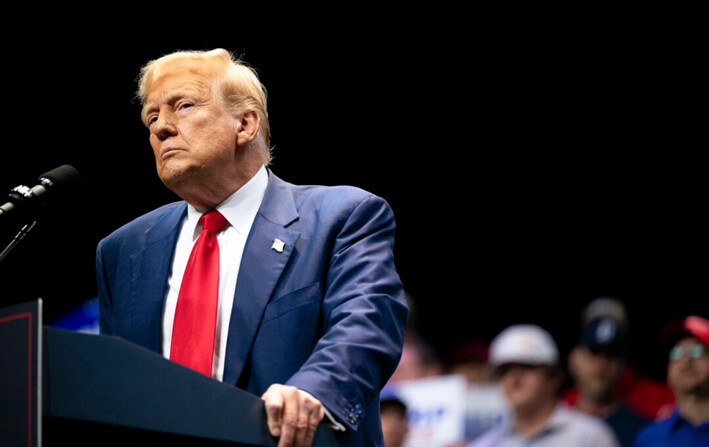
column 559, row 417
column 239, row 208
column 675, row 420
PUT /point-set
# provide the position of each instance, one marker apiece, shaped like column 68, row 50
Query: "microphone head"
column 62, row 177
column 56, row 183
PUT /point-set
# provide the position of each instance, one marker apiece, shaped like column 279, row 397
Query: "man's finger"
column 309, row 417
column 274, row 403
column 291, row 409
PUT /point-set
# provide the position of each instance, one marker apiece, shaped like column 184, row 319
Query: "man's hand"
column 292, row 414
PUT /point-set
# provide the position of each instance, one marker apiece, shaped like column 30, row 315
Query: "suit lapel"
column 150, row 270
column 266, row 254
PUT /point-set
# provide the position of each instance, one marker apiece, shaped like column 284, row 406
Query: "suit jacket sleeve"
column 364, row 311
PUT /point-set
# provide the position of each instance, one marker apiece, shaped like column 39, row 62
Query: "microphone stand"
column 18, row 237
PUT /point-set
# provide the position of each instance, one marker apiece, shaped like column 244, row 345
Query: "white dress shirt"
column 239, row 209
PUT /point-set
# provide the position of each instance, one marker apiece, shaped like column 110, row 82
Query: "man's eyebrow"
column 173, row 95
column 147, row 109
column 169, row 98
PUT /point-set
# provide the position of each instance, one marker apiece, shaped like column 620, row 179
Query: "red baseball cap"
column 693, row 326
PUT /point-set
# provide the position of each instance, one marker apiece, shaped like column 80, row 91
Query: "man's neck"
column 693, row 408
column 598, row 407
column 531, row 421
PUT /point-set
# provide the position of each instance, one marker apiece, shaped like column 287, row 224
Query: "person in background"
column 419, row 359
column 311, row 311
column 596, row 365
column 526, row 362
column 649, row 397
column 393, row 409
column 687, row 340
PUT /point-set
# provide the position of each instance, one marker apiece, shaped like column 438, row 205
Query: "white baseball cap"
column 527, row 344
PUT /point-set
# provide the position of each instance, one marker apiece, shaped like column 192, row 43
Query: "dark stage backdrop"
column 529, row 173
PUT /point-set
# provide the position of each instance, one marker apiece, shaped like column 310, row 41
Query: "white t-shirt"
column 566, row 427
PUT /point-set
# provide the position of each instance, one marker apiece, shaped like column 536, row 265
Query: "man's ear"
column 249, row 125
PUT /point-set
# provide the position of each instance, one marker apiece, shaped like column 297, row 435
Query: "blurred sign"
column 445, row 411
column 485, row 408
column 436, row 410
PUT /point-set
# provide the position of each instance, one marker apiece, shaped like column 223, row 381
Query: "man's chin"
column 175, row 176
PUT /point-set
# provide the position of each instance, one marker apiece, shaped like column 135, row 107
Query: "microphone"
column 58, row 180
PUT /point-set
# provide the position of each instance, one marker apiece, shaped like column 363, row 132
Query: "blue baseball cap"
column 604, row 335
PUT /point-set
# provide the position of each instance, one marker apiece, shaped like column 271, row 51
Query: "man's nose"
column 164, row 127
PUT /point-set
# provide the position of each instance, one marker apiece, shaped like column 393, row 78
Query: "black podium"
column 99, row 390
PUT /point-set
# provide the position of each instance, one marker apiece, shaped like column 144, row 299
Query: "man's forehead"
column 191, row 78
column 688, row 339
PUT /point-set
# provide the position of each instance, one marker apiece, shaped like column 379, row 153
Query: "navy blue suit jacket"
column 327, row 314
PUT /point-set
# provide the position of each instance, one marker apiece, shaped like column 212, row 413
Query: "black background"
column 531, row 169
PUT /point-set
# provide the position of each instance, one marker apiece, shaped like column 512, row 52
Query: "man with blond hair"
column 307, row 309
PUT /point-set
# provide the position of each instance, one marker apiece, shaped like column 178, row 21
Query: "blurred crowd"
column 520, row 391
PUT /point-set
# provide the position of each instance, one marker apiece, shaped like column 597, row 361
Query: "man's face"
column 395, row 426
column 525, row 386
column 595, row 372
column 193, row 137
column 688, row 368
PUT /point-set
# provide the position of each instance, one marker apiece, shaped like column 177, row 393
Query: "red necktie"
column 195, row 321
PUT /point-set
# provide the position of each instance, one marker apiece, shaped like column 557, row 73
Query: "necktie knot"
column 212, row 221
